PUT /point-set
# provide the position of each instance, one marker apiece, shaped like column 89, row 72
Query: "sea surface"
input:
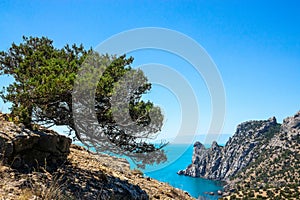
column 179, row 157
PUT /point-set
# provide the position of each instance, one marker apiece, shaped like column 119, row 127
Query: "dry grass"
column 29, row 186
column 54, row 191
column 26, row 194
column 137, row 172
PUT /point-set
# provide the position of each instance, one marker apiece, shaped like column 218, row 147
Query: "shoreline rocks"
column 260, row 155
column 220, row 163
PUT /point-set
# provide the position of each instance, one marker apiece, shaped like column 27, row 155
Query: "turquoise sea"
column 179, row 157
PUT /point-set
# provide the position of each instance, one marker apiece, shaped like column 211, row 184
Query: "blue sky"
column 255, row 45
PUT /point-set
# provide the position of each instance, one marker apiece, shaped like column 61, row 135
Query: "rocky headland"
column 261, row 160
column 41, row 164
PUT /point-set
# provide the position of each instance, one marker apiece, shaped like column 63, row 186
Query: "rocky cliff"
column 276, row 172
column 41, row 164
column 261, row 160
column 220, row 163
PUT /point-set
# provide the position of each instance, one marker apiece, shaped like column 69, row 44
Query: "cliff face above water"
column 262, row 159
column 220, row 163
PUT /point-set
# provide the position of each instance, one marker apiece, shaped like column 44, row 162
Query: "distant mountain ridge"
column 261, row 155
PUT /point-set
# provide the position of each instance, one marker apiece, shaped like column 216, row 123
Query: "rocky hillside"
column 220, row 163
column 261, row 160
column 276, row 172
column 41, row 164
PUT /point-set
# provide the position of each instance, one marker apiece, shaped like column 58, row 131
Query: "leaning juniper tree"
column 54, row 87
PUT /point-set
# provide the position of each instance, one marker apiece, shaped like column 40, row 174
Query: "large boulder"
column 26, row 149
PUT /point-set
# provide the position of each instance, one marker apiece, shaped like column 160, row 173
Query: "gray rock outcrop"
column 24, row 149
column 221, row 163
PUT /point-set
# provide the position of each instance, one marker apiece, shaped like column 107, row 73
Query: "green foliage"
column 269, row 134
column 251, row 194
column 43, row 75
column 44, row 81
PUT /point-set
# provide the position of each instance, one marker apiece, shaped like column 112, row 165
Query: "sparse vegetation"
column 82, row 175
column 275, row 173
column 38, row 185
